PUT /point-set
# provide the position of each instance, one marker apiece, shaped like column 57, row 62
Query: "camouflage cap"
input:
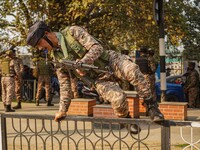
column 36, row 32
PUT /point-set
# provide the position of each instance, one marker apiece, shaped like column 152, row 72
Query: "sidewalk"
column 30, row 108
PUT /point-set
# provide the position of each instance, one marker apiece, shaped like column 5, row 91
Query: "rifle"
column 74, row 65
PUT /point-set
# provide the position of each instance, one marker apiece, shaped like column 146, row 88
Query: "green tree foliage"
column 119, row 24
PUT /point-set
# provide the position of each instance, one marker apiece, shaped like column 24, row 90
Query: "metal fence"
column 29, row 89
column 41, row 132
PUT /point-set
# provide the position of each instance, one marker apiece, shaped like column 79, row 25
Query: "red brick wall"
column 174, row 110
column 142, row 107
column 103, row 111
column 81, row 106
column 133, row 103
column 106, row 111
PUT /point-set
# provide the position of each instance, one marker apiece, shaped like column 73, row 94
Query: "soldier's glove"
column 60, row 116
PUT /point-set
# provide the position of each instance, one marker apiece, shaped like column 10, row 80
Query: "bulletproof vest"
column 78, row 51
column 142, row 62
column 43, row 68
column 6, row 70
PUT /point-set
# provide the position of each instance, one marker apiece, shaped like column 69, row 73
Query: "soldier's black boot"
column 8, row 109
column 49, row 103
column 37, row 103
column 153, row 111
column 18, row 106
column 133, row 128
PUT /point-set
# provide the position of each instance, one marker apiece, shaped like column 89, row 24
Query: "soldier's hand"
column 80, row 71
column 59, row 116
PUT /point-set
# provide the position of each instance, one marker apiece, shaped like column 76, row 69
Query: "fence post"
column 165, row 136
column 3, row 134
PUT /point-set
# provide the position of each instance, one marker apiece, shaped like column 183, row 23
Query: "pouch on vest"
column 43, row 68
column 143, row 64
column 5, row 67
column 78, row 51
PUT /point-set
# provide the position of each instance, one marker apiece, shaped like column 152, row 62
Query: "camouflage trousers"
column 74, row 83
column 45, row 81
column 8, row 89
column 123, row 68
column 18, row 85
column 151, row 81
column 111, row 92
column 65, row 89
column 193, row 95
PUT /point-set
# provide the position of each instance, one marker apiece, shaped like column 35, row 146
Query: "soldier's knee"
column 118, row 98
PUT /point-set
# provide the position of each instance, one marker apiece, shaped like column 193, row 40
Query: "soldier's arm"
column 21, row 66
column 93, row 46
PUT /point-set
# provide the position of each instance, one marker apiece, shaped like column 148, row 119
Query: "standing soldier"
column 9, row 69
column 148, row 67
column 152, row 70
column 192, row 85
column 74, row 43
column 44, row 71
column 18, row 81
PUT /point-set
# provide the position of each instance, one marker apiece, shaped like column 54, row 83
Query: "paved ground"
column 27, row 107
column 176, row 141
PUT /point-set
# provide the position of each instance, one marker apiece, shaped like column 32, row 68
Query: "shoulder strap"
column 72, row 44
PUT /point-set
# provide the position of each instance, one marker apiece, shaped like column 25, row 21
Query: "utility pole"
column 159, row 17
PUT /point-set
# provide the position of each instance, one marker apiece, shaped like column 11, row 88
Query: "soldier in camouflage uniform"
column 151, row 66
column 18, row 81
column 44, row 70
column 191, row 86
column 74, row 43
column 9, row 69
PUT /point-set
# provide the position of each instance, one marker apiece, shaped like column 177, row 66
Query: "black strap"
column 46, row 38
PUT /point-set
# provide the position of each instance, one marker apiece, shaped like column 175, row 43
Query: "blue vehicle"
column 174, row 92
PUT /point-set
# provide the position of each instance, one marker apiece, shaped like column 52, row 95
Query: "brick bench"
column 81, row 106
column 142, row 108
column 106, row 111
column 174, row 110
column 133, row 104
